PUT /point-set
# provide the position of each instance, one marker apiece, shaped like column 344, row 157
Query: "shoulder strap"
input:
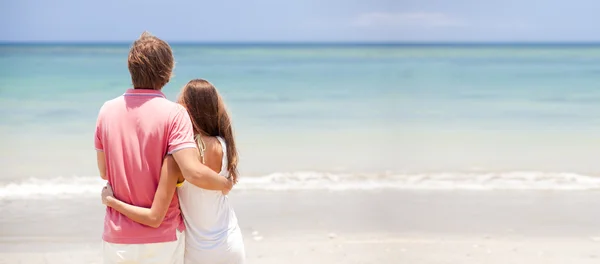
column 224, row 160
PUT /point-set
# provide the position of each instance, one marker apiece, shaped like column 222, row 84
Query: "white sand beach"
column 376, row 248
column 347, row 227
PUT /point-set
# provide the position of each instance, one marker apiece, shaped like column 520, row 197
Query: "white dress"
column 212, row 233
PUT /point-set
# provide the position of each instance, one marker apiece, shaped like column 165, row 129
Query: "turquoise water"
column 326, row 108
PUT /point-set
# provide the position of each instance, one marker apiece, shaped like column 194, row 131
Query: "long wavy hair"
column 210, row 117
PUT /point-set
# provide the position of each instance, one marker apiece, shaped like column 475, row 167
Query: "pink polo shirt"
column 136, row 131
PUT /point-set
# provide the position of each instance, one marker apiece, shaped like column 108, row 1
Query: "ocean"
column 326, row 116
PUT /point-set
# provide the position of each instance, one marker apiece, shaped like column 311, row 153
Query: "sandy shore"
column 373, row 248
column 382, row 248
column 346, row 227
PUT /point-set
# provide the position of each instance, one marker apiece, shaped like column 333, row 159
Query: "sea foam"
column 70, row 187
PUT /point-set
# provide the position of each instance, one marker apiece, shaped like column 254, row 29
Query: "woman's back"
column 209, row 219
column 215, row 155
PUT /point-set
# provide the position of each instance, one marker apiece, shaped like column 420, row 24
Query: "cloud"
column 414, row 19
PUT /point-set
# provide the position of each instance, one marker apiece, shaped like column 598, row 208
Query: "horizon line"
column 282, row 43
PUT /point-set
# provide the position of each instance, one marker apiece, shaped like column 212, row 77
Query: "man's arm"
column 101, row 164
column 154, row 215
column 185, row 152
column 100, row 157
column 198, row 174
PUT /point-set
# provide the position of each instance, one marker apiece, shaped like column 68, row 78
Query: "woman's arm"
column 153, row 216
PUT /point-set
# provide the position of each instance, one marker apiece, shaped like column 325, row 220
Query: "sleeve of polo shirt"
column 181, row 133
column 98, row 134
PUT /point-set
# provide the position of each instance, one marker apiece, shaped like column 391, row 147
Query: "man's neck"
column 144, row 88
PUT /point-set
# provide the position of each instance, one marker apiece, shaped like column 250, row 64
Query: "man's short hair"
column 150, row 62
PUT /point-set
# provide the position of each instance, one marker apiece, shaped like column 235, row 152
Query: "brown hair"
column 150, row 62
column 209, row 117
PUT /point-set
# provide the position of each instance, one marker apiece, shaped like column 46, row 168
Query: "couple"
column 164, row 159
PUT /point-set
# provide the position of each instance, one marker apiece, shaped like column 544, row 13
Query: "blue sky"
column 301, row 20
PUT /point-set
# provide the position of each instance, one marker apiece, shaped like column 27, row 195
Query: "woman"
column 212, row 232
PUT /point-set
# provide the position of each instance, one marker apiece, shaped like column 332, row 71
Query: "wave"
column 67, row 187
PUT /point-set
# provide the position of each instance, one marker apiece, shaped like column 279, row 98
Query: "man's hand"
column 228, row 186
column 107, row 193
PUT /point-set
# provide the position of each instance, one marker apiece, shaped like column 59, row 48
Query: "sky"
column 301, row 20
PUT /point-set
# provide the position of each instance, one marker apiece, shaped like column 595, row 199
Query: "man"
column 134, row 132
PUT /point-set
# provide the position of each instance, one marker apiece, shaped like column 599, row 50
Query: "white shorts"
column 153, row 253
